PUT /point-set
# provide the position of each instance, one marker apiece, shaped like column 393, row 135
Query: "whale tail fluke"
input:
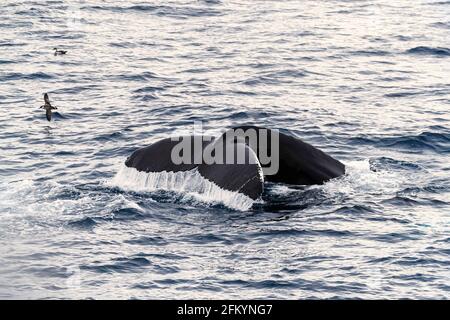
column 243, row 177
column 240, row 176
column 297, row 162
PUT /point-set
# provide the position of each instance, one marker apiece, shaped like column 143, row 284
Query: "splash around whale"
column 229, row 169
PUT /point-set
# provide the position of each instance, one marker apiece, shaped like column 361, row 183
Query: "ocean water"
column 366, row 81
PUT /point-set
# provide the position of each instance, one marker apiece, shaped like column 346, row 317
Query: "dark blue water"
column 366, row 81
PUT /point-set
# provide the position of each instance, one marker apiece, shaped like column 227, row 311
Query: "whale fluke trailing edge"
column 299, row 162
column 244, row 178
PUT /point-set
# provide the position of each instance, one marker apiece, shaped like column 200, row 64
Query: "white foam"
column 359, row 180
column 190, row 183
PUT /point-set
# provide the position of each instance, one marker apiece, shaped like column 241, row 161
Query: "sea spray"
column 187, row 182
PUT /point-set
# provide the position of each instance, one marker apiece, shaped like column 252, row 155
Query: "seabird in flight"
column 48, row 107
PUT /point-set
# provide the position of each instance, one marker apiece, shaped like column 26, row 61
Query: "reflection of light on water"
column 329, row 74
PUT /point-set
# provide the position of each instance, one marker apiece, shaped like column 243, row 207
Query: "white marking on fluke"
column 188, row 182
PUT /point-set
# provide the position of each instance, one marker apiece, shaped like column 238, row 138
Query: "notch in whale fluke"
column 299, row 163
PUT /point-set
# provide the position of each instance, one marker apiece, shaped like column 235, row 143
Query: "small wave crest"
column 426, row 141
column 422, row 50
column 190, row 183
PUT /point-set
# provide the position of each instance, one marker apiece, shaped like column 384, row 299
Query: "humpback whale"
column 299, row 163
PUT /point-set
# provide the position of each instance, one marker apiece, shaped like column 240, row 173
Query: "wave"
column 445, row 25
column 119, row 265
column 369, row 53
column 84, row 223
column 422, row 50
column 180, row 12
column 425, row 141
column 276, row 77
column 386, row 163
column 189, row 183
column 440, row 3
column 31, row 76
column 140, row 77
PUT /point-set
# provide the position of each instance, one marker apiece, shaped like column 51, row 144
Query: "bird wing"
column 48, row 114
column 46, row 99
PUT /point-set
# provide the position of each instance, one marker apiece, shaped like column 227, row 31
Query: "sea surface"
column 366, row 81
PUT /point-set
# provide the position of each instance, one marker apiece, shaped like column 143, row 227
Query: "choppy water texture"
column 366, row 81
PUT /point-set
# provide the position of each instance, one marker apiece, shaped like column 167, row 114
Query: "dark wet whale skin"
column 300, row 164
column 244, row 178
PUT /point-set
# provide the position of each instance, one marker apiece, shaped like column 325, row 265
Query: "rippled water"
column 366, row 81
